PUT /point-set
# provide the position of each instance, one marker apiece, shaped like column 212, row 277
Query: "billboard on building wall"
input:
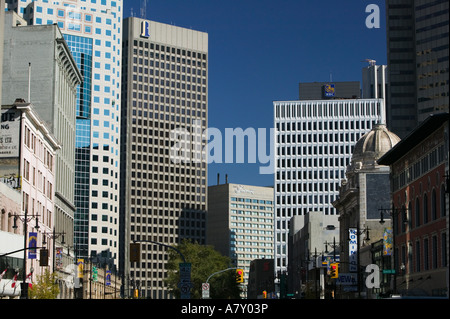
column 9, row 133
column 9, row 147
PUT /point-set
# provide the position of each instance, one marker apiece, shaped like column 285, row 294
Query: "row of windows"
column 325, row 109
column 420, row 167
column 254, row 201
column 330, row 125
column 163, row 48
column 423, row 211
column 424, row 254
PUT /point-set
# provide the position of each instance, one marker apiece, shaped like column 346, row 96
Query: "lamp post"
column 25, row 220
column 393, row 212
column 333, row 245
column 54, row 236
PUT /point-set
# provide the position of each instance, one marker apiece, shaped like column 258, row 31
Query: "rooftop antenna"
column 29, row 82
column 144, row 9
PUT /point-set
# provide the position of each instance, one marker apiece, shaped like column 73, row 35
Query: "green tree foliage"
column 45, row 288
column 204, row 262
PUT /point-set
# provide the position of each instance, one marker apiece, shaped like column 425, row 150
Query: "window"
column 417, row 212
column 433, row 205
column 425, row 208
column 417, row 256
column 425, row 254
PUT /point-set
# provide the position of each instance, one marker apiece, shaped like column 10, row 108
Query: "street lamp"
column 393, row 212
column 334, row 246
column 54, row 236
column 26, row 218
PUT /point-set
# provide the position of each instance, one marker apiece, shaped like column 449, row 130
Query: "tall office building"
column 93, row 32
column 240, row 223
column 313, row 145
column 165, row 96
column 418, row 61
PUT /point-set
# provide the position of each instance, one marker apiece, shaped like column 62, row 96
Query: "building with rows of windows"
column 165, row 92
column 240, row 223
column 419, row 187
column 93, row 32
column 314, row 143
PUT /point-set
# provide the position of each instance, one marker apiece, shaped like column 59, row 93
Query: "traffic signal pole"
column 220, row 271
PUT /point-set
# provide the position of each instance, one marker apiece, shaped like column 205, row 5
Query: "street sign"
column 388, row 271
column 205, row 290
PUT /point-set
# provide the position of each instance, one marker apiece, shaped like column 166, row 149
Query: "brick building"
column 419, row 189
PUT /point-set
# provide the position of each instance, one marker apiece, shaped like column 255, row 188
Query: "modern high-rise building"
column 93, row 32
column 314, row 143
column 240, row 223
column 418, row 61
column 164, row 111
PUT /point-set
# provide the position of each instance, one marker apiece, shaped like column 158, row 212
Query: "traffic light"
column 334, row 271
column 43, row 256
column 135, row 252
column 239, row 275
column 264, row 294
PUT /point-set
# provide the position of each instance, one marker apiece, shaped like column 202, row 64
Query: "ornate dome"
column 372, row 145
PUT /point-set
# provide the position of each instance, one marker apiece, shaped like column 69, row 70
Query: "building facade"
column 165, row 103
column 27, row 165
column 38, row 66
column 419, row 187
column 363, row 192
column 313, row 144
column 418, row 61
column 375, row 81
column 329, row 90
column 240, row 223
column 93, row 32
column 313, row 246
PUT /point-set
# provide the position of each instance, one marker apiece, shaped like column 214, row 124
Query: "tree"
column 45, row 288
column 204, row 262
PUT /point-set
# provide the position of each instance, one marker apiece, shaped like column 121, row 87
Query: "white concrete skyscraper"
column 314, row 142
column 93, row 32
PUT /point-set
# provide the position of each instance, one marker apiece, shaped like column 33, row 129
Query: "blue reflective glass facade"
column 82, row 48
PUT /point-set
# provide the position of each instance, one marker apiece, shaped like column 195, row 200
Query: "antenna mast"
column 144, row 9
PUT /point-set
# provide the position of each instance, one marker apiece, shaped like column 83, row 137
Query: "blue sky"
column 260, row 50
